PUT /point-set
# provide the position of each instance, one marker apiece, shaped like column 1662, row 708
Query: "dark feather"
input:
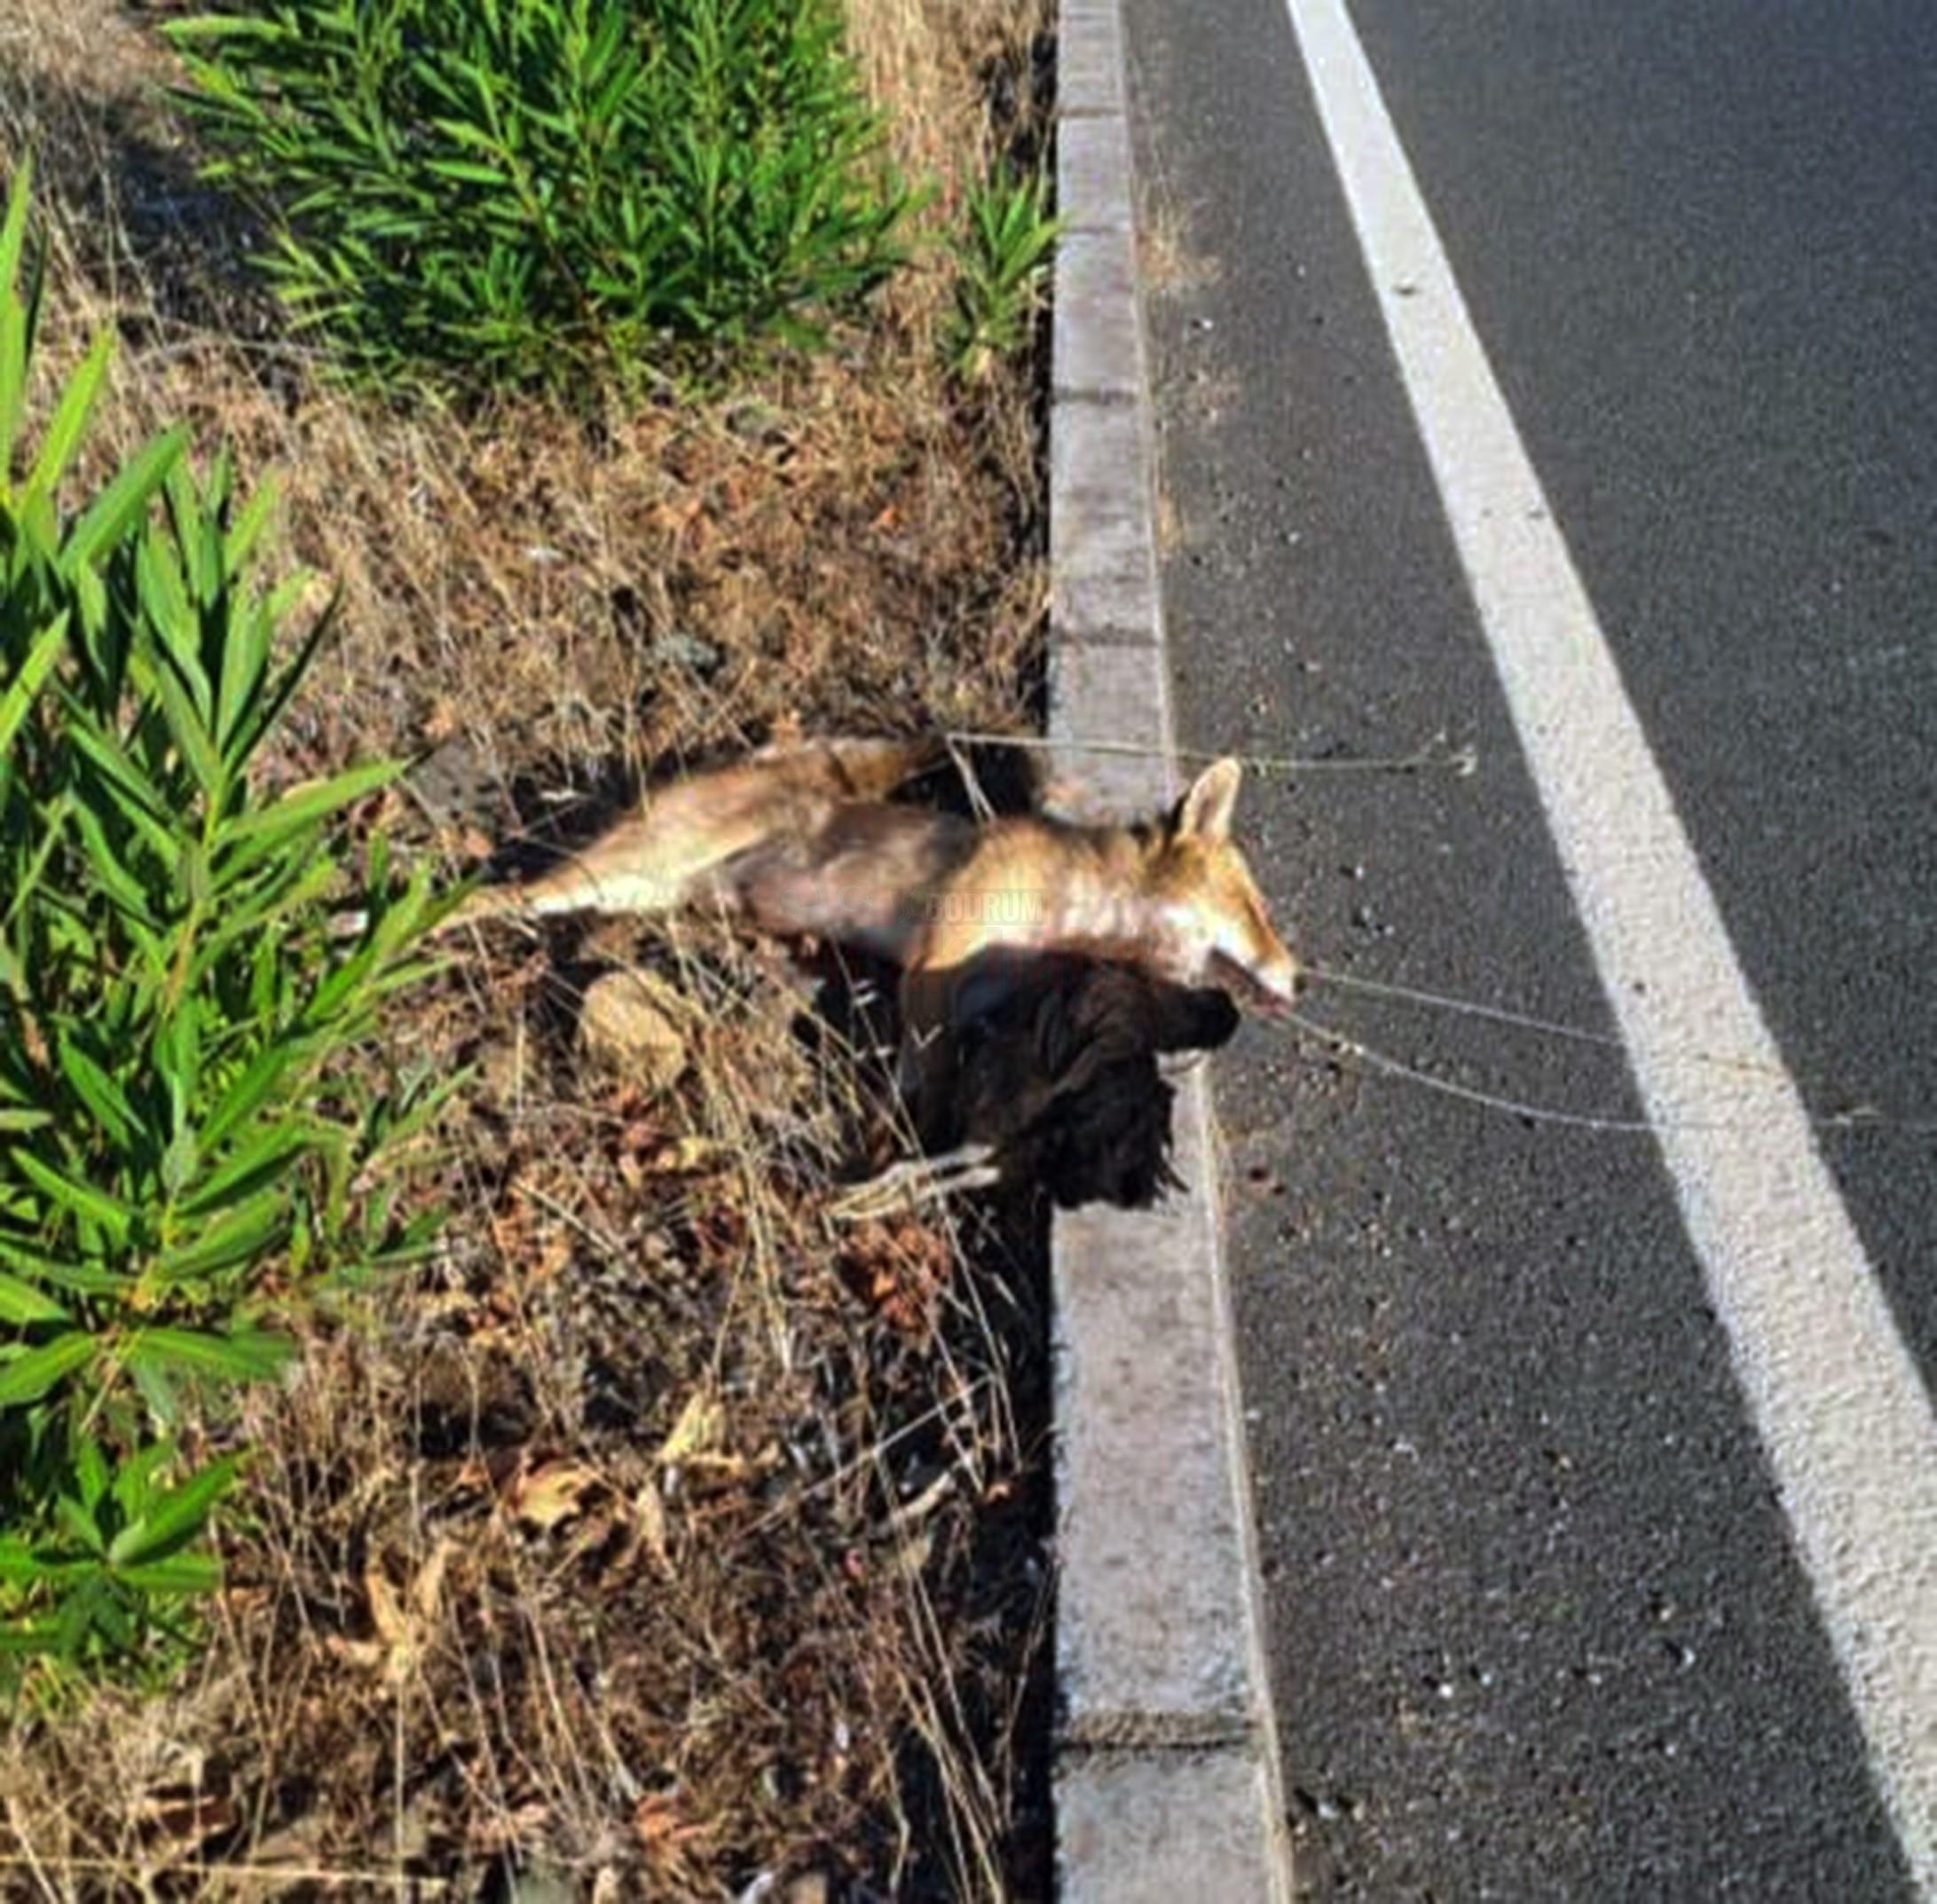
column 1051, row 1060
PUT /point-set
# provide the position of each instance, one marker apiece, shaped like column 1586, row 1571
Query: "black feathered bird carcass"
column 1051, row 1062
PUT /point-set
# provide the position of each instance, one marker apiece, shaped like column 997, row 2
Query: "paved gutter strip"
column 1167, row 1782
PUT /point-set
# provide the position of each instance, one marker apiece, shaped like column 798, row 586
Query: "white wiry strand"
column 1539, row 1114
column 1467, row 1094
column 1505, row 1015
column 1438, row 754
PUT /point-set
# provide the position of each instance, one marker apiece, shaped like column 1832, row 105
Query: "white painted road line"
column 1844, row 1418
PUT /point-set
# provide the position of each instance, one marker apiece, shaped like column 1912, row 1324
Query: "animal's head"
column 1219, row 928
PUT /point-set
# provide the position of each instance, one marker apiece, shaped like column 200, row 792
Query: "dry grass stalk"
column 671, row 1530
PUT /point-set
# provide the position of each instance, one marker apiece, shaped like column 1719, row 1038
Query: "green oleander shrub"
column 544, row 192
column 1003, row 257
column 195, row 1141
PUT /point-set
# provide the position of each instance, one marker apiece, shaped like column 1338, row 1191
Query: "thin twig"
column 873, row 1452
column 907, row 1184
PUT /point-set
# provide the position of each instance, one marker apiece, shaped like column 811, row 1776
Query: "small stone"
column 693, row 652
column 757, row 422
column 629, row 1020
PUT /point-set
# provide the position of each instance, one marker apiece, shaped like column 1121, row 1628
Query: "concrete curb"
column 1167, row 1782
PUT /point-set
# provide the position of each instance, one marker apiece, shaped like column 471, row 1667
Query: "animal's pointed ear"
column 1204, row 813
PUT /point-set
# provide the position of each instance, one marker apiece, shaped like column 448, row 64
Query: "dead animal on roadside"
column 1045, row 967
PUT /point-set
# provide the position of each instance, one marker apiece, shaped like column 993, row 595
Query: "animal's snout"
column 1285, row 984
column 1271, row 987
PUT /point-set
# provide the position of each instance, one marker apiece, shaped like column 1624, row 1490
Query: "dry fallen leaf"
column 427, row 1590
column 688, row 1156
column 629, row 1020
column 547, row 1496
column 648, row 1524
column 659, row 1824
column 401, row 1629
column 698, row 1431
column 386, row 1613
column 368, row 1656
column 509, row 1828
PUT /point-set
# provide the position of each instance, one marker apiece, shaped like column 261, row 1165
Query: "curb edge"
column 1166, row 1777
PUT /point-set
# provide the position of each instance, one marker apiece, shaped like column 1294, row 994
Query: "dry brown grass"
column 673, row 1531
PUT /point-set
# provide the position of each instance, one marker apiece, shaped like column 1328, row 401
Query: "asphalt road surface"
column 1561, row 1605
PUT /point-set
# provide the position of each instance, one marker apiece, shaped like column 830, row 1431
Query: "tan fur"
column 801, row 841
column 660, row 857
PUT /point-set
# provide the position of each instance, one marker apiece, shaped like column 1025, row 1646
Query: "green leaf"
column 29, row 1377
column 80, row 1610
column 19, row 1565
column 306, row 805
column 109, row 516
column 83, row 1199
column 134, row 1479
column 249, row 1230
column 188, row 728
column 79, row 1523
column 245, row 530
column 143, row 802
column 220, row 26
column 249, row 1091
column 179, row 1573
column 245, row 661
column 34, row 670
column 26, row 1564
column 181, row 1157
column 90, row 1471
column 157, row 1391
column 177, row 1516
column 13, row 231
column 178, row 1061
column 70, row 418
column 467, row 171
column 106, row 864
column 16, row 317
column 83, row 1279
column 21, row 1304
column 98, row 1092
column 252, row 1355
column 30, row 1640
column 252, row 1167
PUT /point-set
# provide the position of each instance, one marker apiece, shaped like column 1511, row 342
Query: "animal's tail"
column 662, row 856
